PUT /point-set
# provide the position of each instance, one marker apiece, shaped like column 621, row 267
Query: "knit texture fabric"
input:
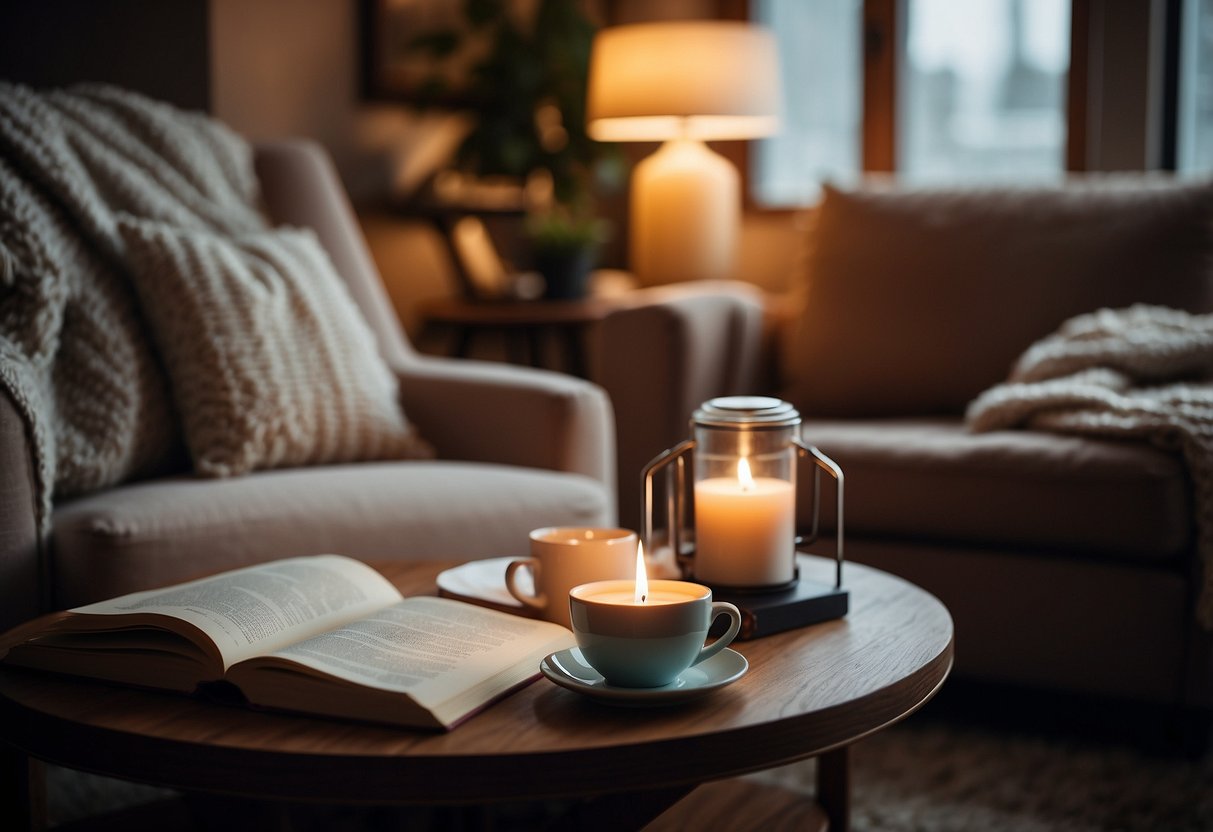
column 74, row 351
column 78, row 167
column 1137, row 373
column 270, row 362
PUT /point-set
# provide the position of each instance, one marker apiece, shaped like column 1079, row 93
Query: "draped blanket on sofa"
column 1144, row 372
column 74, row 352
column 147, row 307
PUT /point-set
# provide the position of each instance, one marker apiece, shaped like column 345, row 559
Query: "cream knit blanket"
column 74, row 354
column 1139, row 373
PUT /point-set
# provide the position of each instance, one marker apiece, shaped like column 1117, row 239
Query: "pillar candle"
column 744, row 532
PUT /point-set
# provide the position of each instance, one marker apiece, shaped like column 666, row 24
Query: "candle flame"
column 744, row 476
column 642, row 578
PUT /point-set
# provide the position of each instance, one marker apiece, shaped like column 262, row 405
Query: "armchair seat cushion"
column 931, row 479
column 163, row 531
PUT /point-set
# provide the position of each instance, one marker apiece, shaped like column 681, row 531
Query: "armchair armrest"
column 669, row 349
column 488, row 412
column 21, row 588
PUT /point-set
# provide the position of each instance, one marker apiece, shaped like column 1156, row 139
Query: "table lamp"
column 683, row 83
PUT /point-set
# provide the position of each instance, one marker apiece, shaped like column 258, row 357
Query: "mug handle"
column 538, row 601
column 720, row 608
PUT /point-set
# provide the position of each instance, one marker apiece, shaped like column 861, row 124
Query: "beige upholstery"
column 152, row 533
column 931, row 479
column 516, row 449
column 917, row 301
column 1067, row 563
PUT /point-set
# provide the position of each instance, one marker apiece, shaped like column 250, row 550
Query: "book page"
column 430, row 648
column 262, row 608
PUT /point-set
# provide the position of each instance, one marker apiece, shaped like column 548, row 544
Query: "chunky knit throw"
column 1144, row 372
column 137, row 270
column 74, row 352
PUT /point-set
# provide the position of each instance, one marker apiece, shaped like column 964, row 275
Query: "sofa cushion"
column 932, row 480
column 164, row 531
column 916, row 300
column 269, row 360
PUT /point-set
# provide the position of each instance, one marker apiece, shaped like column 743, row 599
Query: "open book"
column 323, row 635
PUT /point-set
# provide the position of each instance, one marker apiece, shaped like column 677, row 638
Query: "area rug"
column 924, row 776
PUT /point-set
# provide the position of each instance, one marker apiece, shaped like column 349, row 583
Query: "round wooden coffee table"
column 809, row 692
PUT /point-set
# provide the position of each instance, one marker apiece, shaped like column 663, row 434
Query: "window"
column 981, row 90
column 1195, row 151
column 821, row 67
column 978, row 88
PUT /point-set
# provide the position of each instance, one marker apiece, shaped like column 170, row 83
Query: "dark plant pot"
column 565, row 271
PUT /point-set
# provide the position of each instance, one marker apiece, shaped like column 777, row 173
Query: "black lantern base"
column 805, row 602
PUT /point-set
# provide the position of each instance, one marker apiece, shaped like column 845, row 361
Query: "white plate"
column 569, row 669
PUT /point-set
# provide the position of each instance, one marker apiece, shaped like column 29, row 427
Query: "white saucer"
column 568, row 668
column 484, row 580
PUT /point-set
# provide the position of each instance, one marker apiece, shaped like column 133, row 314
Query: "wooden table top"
column 807, row 691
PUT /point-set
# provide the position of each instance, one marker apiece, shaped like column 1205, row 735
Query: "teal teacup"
column 647, row 645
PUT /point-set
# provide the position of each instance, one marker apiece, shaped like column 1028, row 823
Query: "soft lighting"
column 700, row 79
column 744, row 476
column 642, row 578
column 683, row 82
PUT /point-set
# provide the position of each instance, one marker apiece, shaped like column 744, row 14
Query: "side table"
column 525, row 324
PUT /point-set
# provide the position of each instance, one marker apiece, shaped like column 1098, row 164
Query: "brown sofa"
column 516, row 449
column 1068, row 563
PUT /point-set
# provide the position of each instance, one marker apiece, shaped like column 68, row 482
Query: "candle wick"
column 642, row 598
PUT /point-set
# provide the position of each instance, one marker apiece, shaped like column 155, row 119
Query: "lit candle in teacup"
column 745, row 529
column 642, row 633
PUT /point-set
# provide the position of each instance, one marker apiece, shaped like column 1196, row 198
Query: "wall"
column 290, row 68
column 159, row 48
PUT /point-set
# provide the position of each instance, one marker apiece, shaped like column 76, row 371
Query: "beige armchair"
column 516, row 449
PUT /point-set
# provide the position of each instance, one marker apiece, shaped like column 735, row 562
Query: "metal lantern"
column 744, row 452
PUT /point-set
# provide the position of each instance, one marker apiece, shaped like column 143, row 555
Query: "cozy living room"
column 606, row 414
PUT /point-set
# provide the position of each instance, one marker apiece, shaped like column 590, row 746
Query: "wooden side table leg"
column 534, row 345
column 462, row 342
column 834, row 787
column 22, row 789
column 574, row 350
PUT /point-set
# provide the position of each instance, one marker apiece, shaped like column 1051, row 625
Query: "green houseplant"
column 527, row 95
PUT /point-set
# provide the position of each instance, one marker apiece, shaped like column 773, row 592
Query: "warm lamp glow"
column 683, row 82
column 642, row 577
column 699, row 79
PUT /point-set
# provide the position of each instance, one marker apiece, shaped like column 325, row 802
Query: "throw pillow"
column 270, row 362
column 917, row 300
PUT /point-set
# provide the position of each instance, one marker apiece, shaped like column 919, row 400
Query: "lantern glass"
column 745, row 492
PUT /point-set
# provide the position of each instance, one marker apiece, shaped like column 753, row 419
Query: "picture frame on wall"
column 417, row 51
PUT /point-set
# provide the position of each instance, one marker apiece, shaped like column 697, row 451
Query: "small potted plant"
column 564, row 245
column 527, row 95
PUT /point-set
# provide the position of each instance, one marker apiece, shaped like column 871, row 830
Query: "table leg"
column 22, row 789
column 463, row 342
column 574, row 350
column 534, row 343
column 834, row 787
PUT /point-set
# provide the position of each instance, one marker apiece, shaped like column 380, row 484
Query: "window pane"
column 1196, row 88
column 982, row 90
column 821, row 71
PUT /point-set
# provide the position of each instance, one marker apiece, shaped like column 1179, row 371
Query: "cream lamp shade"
column 683, row 83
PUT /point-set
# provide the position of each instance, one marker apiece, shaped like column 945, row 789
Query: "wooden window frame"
column 882, row 42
